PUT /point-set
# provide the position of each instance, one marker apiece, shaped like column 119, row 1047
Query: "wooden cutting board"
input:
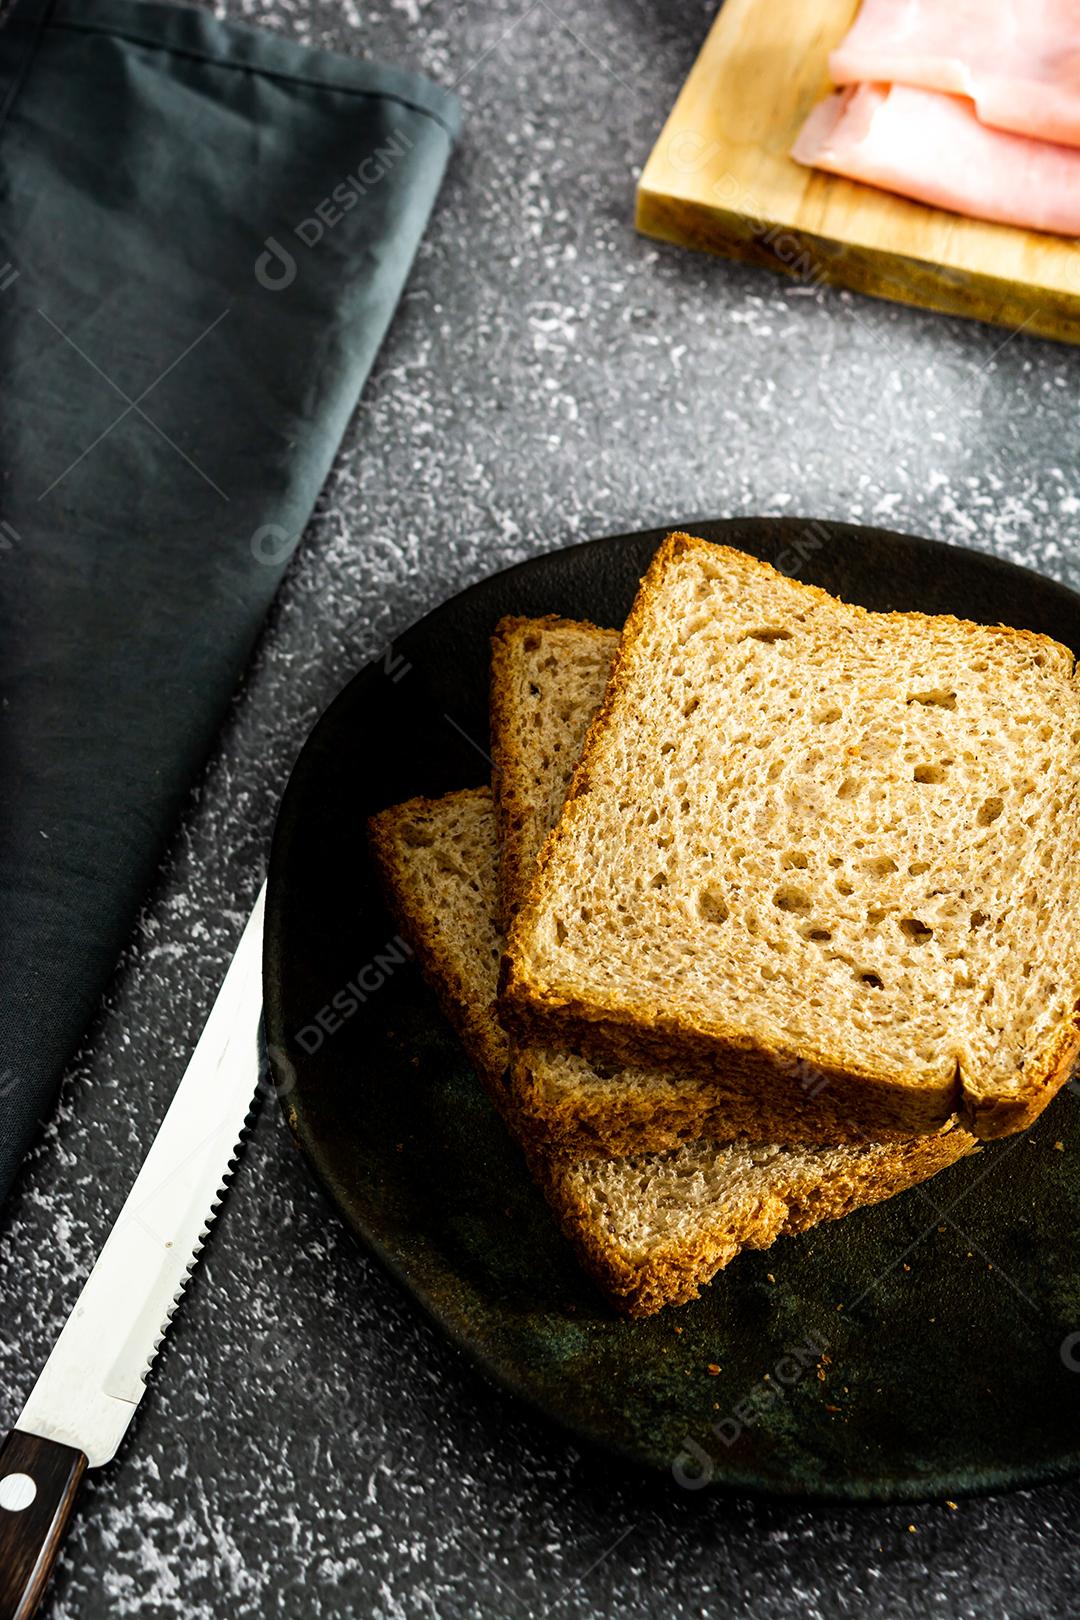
column 720, row 178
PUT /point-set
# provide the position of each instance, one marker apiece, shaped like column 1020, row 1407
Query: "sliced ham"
column 1018, row 60
column 934, row 148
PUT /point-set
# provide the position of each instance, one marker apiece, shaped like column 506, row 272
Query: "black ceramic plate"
column 950, row 1316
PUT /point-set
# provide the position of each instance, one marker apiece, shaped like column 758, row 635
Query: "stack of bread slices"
column 768, row 912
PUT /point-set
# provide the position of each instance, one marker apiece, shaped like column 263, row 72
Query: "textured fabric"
column 203, row 233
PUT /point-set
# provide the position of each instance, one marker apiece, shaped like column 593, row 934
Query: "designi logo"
column 276, row 268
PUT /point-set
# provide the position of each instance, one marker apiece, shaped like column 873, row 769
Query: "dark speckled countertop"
column 309, row 1447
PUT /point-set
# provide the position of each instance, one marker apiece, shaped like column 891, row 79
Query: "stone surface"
column 310, row 1447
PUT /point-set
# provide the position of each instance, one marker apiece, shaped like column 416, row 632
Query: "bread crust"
column 609, row 1028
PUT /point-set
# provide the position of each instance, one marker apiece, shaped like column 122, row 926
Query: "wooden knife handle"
column 39, row 1480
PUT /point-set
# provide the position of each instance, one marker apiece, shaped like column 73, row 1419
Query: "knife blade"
column 95, row 1377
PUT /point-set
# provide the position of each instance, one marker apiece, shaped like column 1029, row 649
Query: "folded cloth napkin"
column 203, row 233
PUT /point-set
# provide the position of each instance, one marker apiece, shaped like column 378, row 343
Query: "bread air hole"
column 879, row 866
column 931, row 774
column 767, row 633
column 937, row 698
column 873, row 981
column 818, row 935
column 828, row 715
column 794, row 858
column 789, row 898
column 417, row 837
column 989, row 811
column 848, row 788
column 712, row 906
column 914, row 930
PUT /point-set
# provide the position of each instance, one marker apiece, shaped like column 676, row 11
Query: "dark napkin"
column 203, row 233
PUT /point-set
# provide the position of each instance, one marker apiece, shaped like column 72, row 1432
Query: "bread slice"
column 651, row 1229
column 548, row 678
column 804, row 832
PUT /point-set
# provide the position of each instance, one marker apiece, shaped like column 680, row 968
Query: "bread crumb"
column 1059, row 1147
column 712, row 1369
column 821, row 1375
column 678, row 1329
column 829, row 1408
column 913, row 1530
column 951, row 1505
column 906, row 1266
column 943, row 1229
column 772, row 1279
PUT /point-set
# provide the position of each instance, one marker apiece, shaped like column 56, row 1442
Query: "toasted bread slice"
column 548, row 678
column 652, row 1229
column 802, row 832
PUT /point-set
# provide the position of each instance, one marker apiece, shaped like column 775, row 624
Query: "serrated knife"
column 89, row 1388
